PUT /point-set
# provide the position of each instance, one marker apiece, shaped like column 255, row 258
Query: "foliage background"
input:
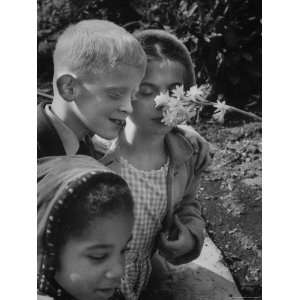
column 223, row 36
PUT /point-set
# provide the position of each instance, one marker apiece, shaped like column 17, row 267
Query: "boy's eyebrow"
column 116, row 88
column 174, row 84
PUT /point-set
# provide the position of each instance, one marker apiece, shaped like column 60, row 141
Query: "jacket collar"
column 48, row 139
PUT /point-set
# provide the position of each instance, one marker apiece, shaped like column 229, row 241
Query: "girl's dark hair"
column 161, row 45
column 106, row 196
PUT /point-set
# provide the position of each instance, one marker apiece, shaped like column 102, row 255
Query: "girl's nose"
column 116, row 270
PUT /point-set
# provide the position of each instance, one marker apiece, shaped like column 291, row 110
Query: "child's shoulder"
column 192, row 136
column 200, row 146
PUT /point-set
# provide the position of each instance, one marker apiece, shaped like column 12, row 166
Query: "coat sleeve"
column 189, row 208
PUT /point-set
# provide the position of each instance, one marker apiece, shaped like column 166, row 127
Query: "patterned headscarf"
column 59, row 180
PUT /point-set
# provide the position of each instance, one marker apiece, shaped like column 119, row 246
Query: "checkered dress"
column 149, row 191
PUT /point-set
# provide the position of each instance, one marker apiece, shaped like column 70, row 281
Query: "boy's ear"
column 67, row 86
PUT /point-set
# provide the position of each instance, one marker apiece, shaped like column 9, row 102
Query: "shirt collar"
column 67, row 136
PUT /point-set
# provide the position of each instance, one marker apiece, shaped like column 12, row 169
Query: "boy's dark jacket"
column 48, row 140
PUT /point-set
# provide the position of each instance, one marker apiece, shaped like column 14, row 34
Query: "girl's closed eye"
column 146, row 90
column 97, row 258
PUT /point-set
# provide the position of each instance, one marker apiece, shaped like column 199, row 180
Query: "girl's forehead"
column 164, row 71
column 108, row 230
column 165, row 64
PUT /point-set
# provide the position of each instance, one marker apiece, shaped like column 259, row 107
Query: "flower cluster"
column 179, row 106
column 174, row 107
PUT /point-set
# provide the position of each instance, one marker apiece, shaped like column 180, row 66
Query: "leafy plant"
column 224, row 38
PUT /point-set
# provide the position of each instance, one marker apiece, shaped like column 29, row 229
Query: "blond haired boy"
column 98, row 67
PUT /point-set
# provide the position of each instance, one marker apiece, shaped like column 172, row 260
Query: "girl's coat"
column 183, row 176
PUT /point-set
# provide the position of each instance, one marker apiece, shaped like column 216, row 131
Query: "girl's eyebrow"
column 105, row 246
column 149, row 84
column 100, row 246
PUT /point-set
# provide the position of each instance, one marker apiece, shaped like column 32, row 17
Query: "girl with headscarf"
column 85, row 219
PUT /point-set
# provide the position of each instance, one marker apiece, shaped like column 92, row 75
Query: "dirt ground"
column 231, row 196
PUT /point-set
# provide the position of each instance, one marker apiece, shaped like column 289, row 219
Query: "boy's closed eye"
column 115, row 93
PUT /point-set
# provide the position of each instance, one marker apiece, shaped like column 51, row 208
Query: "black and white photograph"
column 138, row 159
column 149, row 150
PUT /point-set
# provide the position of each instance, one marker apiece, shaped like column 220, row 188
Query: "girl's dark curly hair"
column 100, row 198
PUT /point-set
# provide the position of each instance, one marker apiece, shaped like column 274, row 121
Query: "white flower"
column 178, row 92
column 163, row 99
column 221, row 106
column 199, row 93
column 193, row 92
column 220, row 111
column 177, row 113
column 180, row 107
column 174, row 115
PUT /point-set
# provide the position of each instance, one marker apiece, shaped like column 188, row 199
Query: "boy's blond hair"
column 93, row 47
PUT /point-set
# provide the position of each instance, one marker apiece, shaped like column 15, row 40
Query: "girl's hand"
column 171, row 249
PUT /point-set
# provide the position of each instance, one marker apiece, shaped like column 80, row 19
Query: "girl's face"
column 161, row 76
column 91, row 266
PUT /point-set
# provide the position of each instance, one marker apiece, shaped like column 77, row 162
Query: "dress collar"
column 178, row 147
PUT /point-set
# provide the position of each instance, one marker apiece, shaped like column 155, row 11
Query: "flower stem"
column 246, row 113
column 232, row 108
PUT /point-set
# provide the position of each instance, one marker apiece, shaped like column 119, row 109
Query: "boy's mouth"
column 118, row 122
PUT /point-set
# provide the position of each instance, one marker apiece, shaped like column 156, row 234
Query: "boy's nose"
column 126, row 106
